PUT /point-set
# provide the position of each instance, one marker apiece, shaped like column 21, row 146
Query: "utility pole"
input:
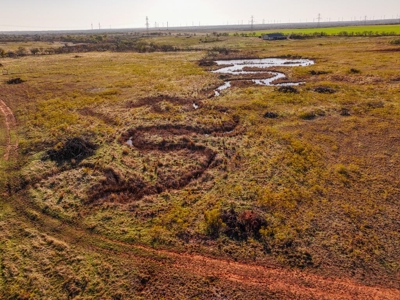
column 365, row 20
column 99, row 26
column 147, row 25
column 92, row 26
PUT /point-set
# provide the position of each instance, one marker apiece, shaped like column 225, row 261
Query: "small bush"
column 241, row 226
column 395, row 42
column 213, row 222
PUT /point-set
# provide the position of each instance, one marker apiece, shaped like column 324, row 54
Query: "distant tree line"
column 79, row 43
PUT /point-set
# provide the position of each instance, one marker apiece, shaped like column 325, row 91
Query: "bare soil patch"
column 10, row 123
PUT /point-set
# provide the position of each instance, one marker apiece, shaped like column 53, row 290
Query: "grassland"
column 314, row 190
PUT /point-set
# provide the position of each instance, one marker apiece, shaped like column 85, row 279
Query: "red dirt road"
column 10, row 123
column 277, row 280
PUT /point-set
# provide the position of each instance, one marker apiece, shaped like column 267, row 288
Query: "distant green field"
column 376, row 29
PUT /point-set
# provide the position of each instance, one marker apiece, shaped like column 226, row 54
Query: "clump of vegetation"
column 241, row 226
column 213, row 222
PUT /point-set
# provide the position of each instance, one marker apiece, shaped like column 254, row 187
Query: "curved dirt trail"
column 10, row 123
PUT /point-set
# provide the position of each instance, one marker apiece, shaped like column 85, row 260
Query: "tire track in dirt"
column 277, row 280
column 10, row 123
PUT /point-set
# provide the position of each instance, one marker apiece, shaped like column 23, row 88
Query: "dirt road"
column 10, row 123
column 282, row 281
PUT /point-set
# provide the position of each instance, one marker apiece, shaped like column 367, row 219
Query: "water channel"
column 256, row 66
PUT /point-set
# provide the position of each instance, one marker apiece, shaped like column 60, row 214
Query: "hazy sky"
column 80, row 14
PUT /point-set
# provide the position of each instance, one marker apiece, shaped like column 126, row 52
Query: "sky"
column 81, row 14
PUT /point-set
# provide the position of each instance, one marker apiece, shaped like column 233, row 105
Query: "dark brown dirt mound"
column 287, row 89
column 324, row 90
column 206, row 63
column 270, row 115
column 73, row 149
column 15, row 81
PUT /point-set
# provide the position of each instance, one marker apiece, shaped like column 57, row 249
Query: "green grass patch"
column 350, row 30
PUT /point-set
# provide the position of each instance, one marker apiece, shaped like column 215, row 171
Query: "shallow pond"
column 256, row 66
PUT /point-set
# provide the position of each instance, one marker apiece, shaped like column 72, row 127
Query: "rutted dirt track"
column 10, row 123
column 291, row 284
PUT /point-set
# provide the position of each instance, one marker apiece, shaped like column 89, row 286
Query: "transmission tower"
column 319, row 19
column 147, row 25
column 252, row 22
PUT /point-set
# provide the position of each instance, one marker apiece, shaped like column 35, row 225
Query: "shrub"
column 213, row 222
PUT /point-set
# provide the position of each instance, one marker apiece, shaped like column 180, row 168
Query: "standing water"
column 237, row 67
